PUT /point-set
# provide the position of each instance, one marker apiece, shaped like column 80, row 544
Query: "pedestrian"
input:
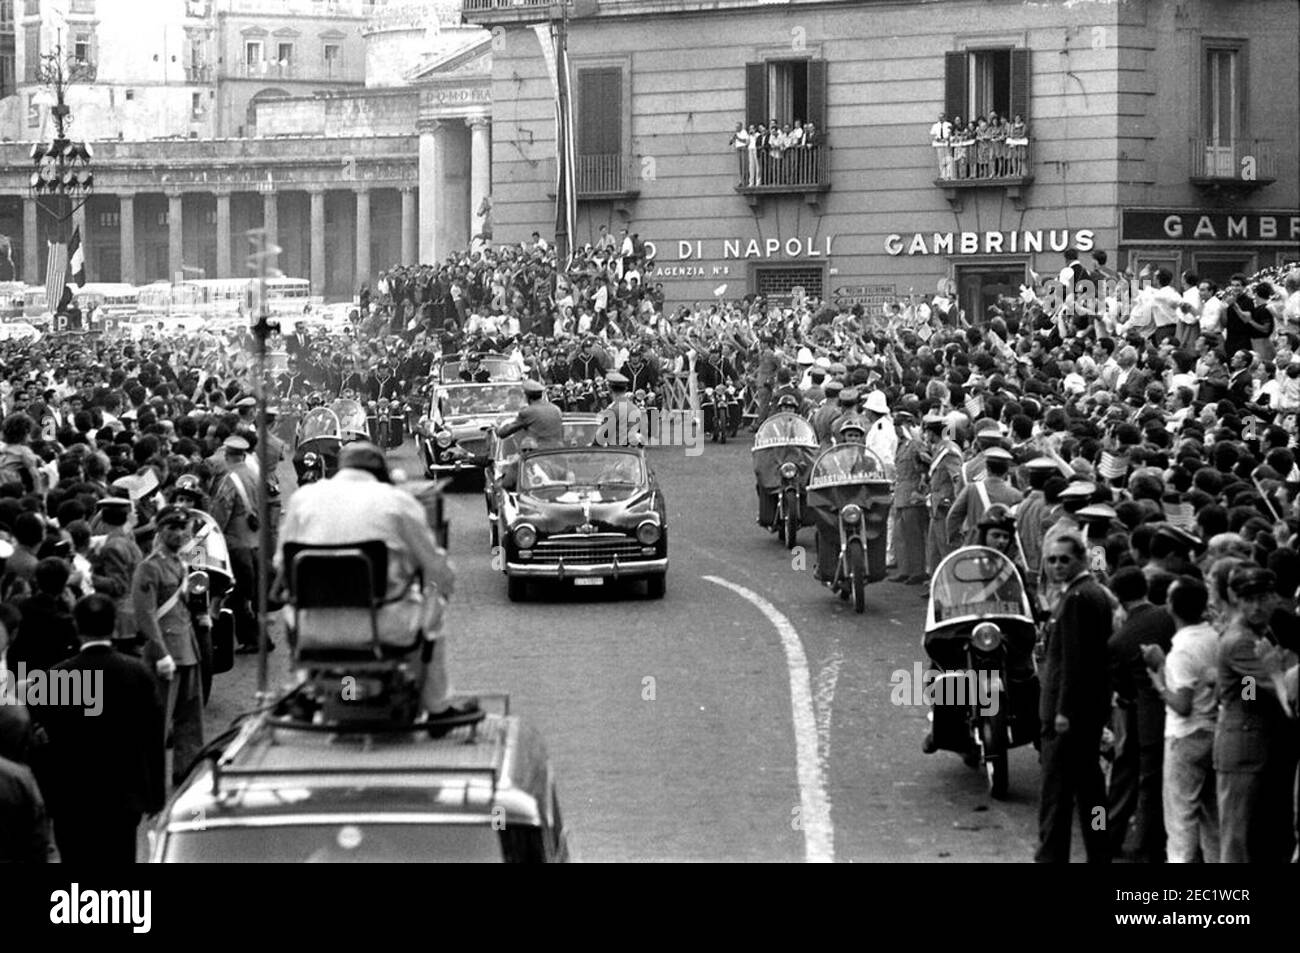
column 103, row 768
column 1073, row 707
column 235, row 510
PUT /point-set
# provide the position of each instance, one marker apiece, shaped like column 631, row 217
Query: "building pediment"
column 470, row 58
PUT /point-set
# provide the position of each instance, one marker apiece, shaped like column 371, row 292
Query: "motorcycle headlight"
column 310, row 459
column 525, row 536
column 648, row 533
column 986, row 637
column 789, row 471
column 851, row 514
column 443, row 438
column 197, row 583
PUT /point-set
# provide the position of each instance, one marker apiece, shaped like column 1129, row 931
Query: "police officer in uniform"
column 540, row 419
column 824, row 417
column 621, row 423
column 158, row 596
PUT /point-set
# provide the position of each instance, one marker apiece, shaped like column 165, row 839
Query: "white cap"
column 805, row 356
column 876, row 402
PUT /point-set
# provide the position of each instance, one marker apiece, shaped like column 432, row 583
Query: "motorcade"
column 587, row 516
column 345, row 767
column 980, row 634
column 783, row 453
column 322, row 432
column 453, row 431
column 501, row 472
column 849, row 499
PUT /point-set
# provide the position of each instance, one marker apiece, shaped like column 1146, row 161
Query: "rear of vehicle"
column 285, row 794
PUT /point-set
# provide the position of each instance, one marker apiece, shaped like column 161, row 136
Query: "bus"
column 113, row 300
column 291, row 296
column 13, row 296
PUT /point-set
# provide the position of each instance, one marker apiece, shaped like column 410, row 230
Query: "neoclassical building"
column 355, row 132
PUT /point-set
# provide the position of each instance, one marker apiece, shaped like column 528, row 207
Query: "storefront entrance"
column 980, row 286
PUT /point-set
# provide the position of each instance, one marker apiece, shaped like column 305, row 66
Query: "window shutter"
column 755, row 93
column 956, row 72
column 600, row 111
column 817, row 95
column 1020, row 83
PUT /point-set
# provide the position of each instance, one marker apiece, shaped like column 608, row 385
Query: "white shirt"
column 1193, row 662
column 941, row 130
column 882, row 440
column 1212, row 316
column 1192, row 298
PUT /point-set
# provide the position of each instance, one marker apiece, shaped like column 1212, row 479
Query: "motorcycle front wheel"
column 858, row 575
column 997, row 771
column 791, row 523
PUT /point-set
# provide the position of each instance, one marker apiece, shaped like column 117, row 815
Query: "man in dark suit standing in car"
column 103, row 768
column 1074, row 706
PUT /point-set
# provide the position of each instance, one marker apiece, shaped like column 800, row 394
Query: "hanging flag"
column 56, row 274
column 76, row 261
column 6, row 246
column 566, row 213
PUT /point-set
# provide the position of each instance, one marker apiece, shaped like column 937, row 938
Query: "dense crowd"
column 1167, row 416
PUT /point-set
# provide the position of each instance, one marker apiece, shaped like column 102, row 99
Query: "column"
column 175, row 235
column 317, row 240
column 408, row 226
column 223, row 235
column 31, row 254
column 432, row 162
column 363, row 237
column 126, row 236
column 480, row 170
column 271, row 223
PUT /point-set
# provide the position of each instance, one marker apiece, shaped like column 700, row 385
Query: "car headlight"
column 648, row 533
column 852, row 514
column 525, row 536
column 986, row 637
column 789, row 471
column 443, row 438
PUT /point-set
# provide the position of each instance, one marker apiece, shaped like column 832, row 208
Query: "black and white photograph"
column 651, row 431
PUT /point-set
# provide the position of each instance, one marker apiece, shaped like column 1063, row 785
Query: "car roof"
column 274, row 771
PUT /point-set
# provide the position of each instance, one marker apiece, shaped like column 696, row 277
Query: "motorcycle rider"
column 828, row 412
column 969, row 505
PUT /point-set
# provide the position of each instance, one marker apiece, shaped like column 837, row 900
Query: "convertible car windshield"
column 498, row 368
column 482, row 399
column 543, row 471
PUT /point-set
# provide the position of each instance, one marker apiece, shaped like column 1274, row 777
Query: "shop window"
column 1220, row 266
column 778, row 284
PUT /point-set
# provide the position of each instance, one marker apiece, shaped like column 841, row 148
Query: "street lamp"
column 61, row 178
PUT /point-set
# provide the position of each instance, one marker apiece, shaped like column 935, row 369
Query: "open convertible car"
column 453, row 430
column 588, row 515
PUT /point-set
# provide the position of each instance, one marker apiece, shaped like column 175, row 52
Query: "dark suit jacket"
column 110, row 763
column 46, row 636
column 1253, row 729
column 1075, row 682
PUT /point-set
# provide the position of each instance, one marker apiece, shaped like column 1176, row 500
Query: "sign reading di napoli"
column 802, row 247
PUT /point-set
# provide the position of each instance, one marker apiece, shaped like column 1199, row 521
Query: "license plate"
column 589, row 581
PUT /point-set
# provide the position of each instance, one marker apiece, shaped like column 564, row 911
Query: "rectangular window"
column 978, row 82
column 253, row 52
column 1223, row 95
column 332, row 54
column 285, row 54
column 196, row 53
column 196, row 104
column 130, row 95
column 81, row 48
column 778, row 284
column 32, row 48
column 7, row 78
column 109, row 219
column 162, row 218
column 782, row 91
column 600, row 111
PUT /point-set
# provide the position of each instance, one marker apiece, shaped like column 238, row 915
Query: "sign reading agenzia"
column 692, row 254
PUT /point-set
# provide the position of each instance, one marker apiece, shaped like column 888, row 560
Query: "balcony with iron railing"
column 963, row 164
column 803, row 169
column 1238, row 165
column 600, row 177
column 509, row 11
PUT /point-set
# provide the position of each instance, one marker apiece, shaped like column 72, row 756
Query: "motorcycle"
column 783, row 453
column 731, row 407
column 980, row 633
column 209, row 581
column 849, row 498
column 712, row 409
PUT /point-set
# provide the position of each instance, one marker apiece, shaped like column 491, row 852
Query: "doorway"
column 980, row 286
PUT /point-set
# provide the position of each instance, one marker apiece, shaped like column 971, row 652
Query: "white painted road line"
column 814, row 805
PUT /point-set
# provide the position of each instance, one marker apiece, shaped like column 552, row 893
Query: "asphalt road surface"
column 746, row 716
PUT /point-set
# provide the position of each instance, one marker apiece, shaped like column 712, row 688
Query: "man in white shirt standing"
column 1189, row 315
column 1186, row 680
column 1155, row 315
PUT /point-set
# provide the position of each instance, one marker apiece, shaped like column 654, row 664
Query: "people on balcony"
column 988, row 147
column 778, row 153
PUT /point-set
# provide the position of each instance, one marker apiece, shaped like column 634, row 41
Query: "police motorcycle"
column 384, row 420
column 783, row 452
column 322, row 434
column 849, row 498
column 980, row 633
column 209, row 579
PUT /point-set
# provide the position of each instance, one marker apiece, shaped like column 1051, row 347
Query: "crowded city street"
column 706, row 766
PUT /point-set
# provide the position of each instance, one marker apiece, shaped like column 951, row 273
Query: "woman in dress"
column 1017, row 141
column 983, row 148
column 998, row 145
column 960, row 144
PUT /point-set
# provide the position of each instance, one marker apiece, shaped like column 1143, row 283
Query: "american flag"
column 56, row 274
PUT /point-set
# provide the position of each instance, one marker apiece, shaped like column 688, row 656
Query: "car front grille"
column 578, row 552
